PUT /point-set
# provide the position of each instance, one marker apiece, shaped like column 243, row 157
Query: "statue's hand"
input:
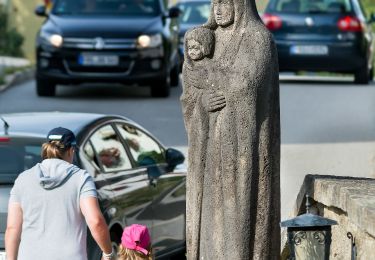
column 216, row 101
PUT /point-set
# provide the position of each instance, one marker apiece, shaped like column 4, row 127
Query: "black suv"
column 120, row 41
column 323, row 35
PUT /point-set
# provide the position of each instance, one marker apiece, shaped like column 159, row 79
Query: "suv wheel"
column 161, row 88
column 175, row 76
column 45, row 88
column 362, row 76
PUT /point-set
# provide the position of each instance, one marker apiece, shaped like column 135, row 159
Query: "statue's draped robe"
column 233, row 181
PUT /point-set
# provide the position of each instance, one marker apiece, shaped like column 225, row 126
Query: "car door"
column 132, row 195
column 168, row 229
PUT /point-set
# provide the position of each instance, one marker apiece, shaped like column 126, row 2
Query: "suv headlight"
column 149, row 41
column 52, row 39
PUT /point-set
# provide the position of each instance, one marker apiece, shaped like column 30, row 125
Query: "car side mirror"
column 40, row 10
column 174, row 157
column 174, row 12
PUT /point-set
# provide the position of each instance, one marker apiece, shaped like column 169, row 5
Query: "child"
column 135, row 244
column 199, row 44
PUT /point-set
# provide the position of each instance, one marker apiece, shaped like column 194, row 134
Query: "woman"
column 233, row 199
column 50, row 205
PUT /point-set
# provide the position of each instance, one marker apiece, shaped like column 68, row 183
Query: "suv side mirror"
column 174, row 12
column 174, row 157
column 40, row 10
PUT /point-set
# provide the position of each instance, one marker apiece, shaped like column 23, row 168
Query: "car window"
column 310, row 6
column 194, row 12
column 109, row 149
column 89, row 153
column 16, row 157
column 106, row 7
column 144, row 149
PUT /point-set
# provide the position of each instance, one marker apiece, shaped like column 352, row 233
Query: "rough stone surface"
column 230, row 103
column 351, row 202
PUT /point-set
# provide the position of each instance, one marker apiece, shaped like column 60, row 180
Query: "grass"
column 12, row 70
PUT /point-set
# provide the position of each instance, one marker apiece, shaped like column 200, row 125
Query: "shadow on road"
column 103, row 91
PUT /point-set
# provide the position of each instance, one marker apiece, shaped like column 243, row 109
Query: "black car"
column 138, row 180
column 120, row 41
column 193, row 13
column 322, row 35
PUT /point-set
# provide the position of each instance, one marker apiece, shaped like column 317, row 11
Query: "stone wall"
column 349, row 201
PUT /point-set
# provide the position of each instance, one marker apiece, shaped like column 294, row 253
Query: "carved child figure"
column 199, row 45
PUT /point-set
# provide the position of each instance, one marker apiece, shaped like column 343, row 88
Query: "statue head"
column 199, row 43
column 224, row 12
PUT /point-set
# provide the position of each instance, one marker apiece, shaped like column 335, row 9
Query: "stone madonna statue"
column 230, row 104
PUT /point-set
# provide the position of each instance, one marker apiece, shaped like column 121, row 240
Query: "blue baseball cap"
column 63, row 135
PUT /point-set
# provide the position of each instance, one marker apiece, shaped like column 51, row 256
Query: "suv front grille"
column 99, row 43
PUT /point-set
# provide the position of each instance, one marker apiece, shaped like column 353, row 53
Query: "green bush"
column 10, row 40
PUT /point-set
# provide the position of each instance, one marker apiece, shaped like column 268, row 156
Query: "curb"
column 17, row 78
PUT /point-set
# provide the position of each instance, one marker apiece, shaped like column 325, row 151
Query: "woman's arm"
column 13, row 231
column 96, row 223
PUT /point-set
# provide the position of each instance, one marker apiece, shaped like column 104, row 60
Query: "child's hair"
column 204, row 36
column 129, row 254
column 135, row 243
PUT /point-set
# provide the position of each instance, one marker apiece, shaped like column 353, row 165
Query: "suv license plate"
column 98, row 60
column 309, row 50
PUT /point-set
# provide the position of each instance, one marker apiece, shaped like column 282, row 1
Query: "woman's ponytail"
column 53, row 149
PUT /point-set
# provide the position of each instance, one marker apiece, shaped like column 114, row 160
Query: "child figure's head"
column 135, row 243
column 199, row 43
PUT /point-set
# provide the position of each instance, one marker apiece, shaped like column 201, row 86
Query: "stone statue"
column 230, row 104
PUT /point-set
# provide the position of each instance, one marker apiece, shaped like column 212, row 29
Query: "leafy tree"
column 10, row 40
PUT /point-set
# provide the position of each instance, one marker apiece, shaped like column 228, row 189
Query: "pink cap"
column 136, row 237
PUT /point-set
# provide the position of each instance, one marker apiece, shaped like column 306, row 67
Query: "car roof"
column 39, row 123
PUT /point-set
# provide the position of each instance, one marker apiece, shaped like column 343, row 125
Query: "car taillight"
column 272, row 22
column 350, row 24
column 4, row 139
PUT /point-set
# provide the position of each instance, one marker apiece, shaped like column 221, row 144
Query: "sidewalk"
column 17, row 76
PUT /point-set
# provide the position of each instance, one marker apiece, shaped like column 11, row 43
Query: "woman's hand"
column 216, row 101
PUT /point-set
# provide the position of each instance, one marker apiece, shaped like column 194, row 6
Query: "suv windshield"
column 194, row 12
column 310, row 6
column 106, row 7
column 15, row 157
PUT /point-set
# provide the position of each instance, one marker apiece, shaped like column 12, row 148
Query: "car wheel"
column 115, row 243
column 362, row 76
column 161, row 88
column 45, row 88
column 175, row 76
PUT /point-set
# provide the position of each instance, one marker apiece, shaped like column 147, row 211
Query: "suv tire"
column 161, row 88
column 45, row 88
column 362, row 76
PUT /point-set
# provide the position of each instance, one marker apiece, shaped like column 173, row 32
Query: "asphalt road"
column 328, row 124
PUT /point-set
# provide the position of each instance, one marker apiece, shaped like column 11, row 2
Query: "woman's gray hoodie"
column 53, row 225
